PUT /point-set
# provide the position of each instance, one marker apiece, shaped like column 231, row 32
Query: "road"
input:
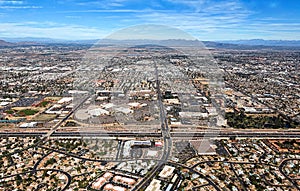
column 199, row 134
column 68, row 176
column 281, row 166
column 165, row 133
column 56, row 126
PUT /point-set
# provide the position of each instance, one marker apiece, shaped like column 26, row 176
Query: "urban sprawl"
column 151, row 118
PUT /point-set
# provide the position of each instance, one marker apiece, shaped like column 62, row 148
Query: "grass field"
column 44, row 117
column 27, row 112
column 22, row 111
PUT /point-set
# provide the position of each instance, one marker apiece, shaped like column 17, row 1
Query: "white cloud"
column 7, row 2
column 148, row 31
column 104, row 4
column 205, row 19
column 73, row 17
column 16, row 4
column 50, row 30
column 195, row 4
column 106, row 11
column 20, row 7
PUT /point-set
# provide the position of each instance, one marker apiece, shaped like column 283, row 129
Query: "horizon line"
column 19, row 39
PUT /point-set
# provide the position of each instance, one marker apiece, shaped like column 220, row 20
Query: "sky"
column 203, row 19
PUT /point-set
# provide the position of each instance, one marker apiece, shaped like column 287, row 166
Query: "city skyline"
column 204, row 19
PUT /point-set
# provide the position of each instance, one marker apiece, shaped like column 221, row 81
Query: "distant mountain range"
column 228, row 44
column 47, row 40
column 4, row 43
column 261, row 42
column 21, row 43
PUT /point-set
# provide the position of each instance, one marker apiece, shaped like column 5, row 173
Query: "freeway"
column 199, row 134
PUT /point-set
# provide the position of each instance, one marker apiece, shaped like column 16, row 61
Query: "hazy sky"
column 203, row 19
